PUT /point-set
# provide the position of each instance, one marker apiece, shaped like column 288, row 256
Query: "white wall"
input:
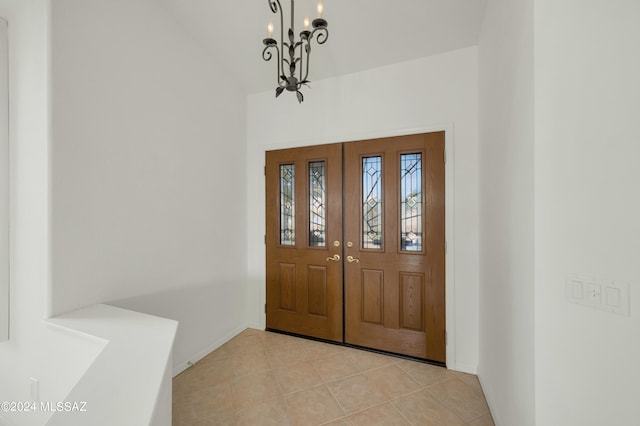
column 429, row 93
column 4, row 180
column 56, row 358
column 148, row 167
column 587, row 148
column 208, row 316
column 506, row 368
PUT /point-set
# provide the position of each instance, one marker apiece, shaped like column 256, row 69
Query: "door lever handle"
column 352, row 259
column 334, row 258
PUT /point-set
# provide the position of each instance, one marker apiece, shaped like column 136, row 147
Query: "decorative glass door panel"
column 317, row 207
column 411, row 219
column 372, row 202
column 287, row 205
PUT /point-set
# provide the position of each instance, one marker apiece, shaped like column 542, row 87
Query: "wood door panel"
column 317, row 290
column 372, row 285
column 412, row 301
column 287, row 284
column 413, row 281
column 304, row 289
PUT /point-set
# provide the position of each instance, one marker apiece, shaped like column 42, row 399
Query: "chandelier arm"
column 323, row 35
column 301, row 58
column 281, row 31
column 306, row 74
column 283, row 70
column 292, row 15
column 267, row 55
column 280, row 71
column 276, row 7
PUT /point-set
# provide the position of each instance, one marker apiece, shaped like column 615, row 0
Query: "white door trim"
column 449, row 130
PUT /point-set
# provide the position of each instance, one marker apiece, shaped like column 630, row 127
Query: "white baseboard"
column 180, row 367
column 256, row 326
column 488, row 396
column 464, row 368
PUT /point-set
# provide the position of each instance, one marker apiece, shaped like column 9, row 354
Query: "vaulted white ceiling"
column 363, row 34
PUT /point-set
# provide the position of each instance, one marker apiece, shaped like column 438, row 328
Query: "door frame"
column 450, row 278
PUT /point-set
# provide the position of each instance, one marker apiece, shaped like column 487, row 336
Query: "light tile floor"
column 263, row 378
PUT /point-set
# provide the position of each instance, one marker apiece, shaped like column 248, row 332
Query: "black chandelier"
column 297, row 63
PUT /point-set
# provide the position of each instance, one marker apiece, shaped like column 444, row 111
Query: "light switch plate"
column 605, row 295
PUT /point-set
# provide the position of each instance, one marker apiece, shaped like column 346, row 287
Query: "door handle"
column 352, row 259
column 334, row 258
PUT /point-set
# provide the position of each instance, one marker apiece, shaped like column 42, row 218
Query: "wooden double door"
column 356, row 243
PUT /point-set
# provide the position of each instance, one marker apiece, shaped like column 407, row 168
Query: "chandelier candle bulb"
column 270, row 29
column 307, row 23
column 320, row 8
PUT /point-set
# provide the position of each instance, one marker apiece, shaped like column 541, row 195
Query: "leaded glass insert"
column 411, row 202
column 287, row 205
column 372, row 203
column 317, row 204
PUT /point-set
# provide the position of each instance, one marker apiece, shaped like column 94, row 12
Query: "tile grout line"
column 339, row 405
column 401, row 412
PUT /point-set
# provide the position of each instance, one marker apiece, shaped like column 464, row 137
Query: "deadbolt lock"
column 336, row 243
column 349, row 244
